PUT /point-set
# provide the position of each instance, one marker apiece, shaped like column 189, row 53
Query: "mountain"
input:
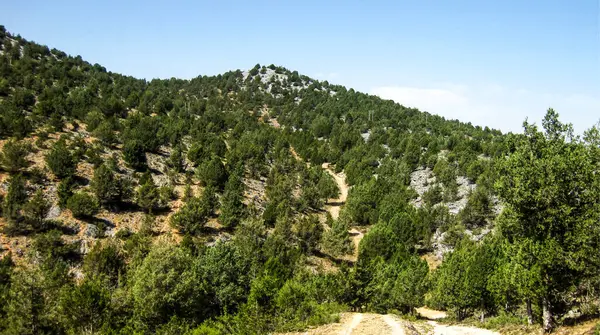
column 238, row 203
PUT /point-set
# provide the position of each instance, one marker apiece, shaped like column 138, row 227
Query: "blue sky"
column 489, row 62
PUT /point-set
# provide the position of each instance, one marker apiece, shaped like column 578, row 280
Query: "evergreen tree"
column 15, row 198
column 60, row 160
column 232, row 207
column 192, row 217
column 212, row 173
column 36, row 210
column 550, row 184
column 108, row 187
column 82, row 205
column 134, row 155
column 13, row 156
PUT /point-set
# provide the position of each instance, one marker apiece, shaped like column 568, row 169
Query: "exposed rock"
column 110, row 231
column 465, row 187
column 84, row 246
column 53, row 213
column 420, row 181
column 92, row 230
column 366, row 135
column 438, row 245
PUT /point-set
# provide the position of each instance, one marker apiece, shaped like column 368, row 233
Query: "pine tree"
column 15, row 198
column 36, row 209
column 60, row 160
column 13, row 156
column 232, row 207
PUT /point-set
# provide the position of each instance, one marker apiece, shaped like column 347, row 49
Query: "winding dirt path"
column 334, row 206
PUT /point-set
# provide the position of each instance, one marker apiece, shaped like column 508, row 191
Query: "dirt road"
column 388, row 324
column 439, row 329
column 360, row 324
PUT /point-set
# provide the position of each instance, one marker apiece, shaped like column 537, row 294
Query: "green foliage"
column 176, row 160
column 60, row 160
column 361, row 206
column 105, row 261
column 479, row 208
column 105, row 132
column 84, row 307
column 192, row 217
column 212, row 173
column 461, row 282
column 82, row 205
column 399, row 285
column 543, row 251
column 167, row 284
column 134, row 155
column 109, row 188
column 6, row 270
column 309, row 232
column 15, row 198
column 36, row 209
column 28, row 307
column 148, row 194
column 336, row 241
column 13, row 156
column 387, row 238
column 550, row 185
column 93, row 119
column 65, row 191
column 232, row 207
column 433, row 195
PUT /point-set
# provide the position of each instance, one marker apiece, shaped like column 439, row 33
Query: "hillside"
column 260, row 201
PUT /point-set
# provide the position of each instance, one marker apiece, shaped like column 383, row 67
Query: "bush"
column 433, row 195
column 93, row 119
column 336, row 241
column 194, row 215
column 108, row 187
column 65, row 191
column 212, row 173
column 15, row 197
column 134, row 155
column 82, row 205
column 36, row 209
column 12, row 158
column 309, row 231
column 60, row 161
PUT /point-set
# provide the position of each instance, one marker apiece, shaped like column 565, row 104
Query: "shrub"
column 12, row 158
column 36, row 209
column 194, row 215
column 82, row 205
column 134, row 155
column 60, row 161
column 108, row 187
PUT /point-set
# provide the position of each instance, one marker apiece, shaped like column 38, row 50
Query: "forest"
column 200, row 206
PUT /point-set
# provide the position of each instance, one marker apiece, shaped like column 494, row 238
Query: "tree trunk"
column 529, row 312
column 547, row 318
column 482, row 318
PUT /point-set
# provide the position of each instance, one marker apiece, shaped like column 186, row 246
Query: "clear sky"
column 489, row 62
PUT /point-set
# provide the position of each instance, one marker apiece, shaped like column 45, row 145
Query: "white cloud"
column 494, row 105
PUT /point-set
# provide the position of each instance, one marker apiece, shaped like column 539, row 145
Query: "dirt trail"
column 431, row 314
column 459, row 330
column 359, row 324
column 388, row 324
column 334, row 205
column 394, row 324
